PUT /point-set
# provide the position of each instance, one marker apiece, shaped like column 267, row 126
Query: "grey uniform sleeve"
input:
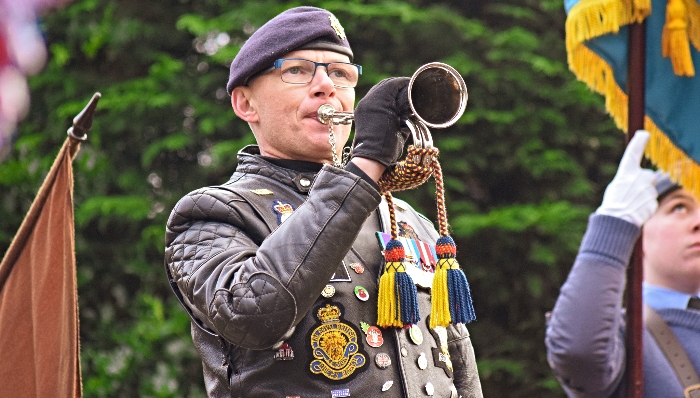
column 585, row 337
column 250, row 294
column 466, row 374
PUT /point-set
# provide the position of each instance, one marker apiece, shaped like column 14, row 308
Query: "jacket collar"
column 251, row 162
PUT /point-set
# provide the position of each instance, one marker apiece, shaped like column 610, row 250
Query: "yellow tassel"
column 440, row 308
column 640, row 9
column 387, row 304
column 674, row 38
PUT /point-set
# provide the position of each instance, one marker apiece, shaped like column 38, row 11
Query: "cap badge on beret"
column 337, row 27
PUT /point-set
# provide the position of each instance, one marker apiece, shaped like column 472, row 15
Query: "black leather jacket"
column 251, row 273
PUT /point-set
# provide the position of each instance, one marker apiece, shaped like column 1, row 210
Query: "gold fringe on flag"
column 592, row 18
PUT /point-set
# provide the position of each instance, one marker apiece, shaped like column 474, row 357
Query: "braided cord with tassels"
column 398, row 297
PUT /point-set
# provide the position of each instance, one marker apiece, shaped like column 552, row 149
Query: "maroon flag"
column 39, row 338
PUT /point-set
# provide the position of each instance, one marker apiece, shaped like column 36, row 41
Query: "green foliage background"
column 524, row 166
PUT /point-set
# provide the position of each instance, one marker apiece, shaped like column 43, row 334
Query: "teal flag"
column 597, row 47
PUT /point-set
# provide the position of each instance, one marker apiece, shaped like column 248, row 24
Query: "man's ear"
column 242, row 106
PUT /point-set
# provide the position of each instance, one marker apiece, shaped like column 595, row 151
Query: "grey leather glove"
column 631, row 195
column 378, row 127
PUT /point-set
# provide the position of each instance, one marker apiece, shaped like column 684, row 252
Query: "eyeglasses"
column 301, row 71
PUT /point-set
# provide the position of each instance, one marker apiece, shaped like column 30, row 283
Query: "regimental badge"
column 335, row 24
column 335, row 346
column 285, row 353
column 283, row 210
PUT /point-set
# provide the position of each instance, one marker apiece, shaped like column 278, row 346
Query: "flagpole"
column 82, row 123
column 635, row 323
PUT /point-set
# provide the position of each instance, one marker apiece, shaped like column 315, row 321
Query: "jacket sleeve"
column 585, row 335
column 250, row 293
column 466, row 374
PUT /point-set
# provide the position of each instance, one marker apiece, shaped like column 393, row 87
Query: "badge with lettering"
column 382, row 360
column 340, row 393
column 283, row 210
column 335, row 345
column 285, row 353
column 374, row 337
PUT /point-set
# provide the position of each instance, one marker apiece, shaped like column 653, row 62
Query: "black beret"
column 295, row 29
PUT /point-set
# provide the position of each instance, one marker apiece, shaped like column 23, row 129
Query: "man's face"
column 671, row 241
column 285, row 123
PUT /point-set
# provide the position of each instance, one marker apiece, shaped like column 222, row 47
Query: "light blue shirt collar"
column 659, row 297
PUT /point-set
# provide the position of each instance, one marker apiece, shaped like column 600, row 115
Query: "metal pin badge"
column 328, row 291
column 361, row 293
column 374, row 337
column 387, row 385
column 422, row 361
column 382, row 360
column 416, row 335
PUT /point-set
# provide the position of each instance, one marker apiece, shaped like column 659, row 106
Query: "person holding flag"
column 585, row 333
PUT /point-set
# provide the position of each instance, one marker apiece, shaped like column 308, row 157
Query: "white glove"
column 631, row 195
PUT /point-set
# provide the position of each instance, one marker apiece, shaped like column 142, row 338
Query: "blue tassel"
column 408, row 295
column 461, row 305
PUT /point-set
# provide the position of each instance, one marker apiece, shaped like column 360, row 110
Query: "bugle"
column 437, row 96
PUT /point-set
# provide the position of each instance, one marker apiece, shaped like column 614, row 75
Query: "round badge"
column 328, row 291
column 416, row 335
column 374, row 337
column 361, row 293
column 382, row 360
column 422, row 361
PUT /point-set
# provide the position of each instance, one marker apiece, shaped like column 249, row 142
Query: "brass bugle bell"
column 437, row 95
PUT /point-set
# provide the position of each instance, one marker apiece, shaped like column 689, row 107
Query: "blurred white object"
column 22, row 53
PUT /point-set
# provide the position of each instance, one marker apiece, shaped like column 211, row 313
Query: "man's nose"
column 322, row 83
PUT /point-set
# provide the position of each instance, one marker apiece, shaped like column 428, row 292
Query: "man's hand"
column 631, row 195
column 378, row 132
